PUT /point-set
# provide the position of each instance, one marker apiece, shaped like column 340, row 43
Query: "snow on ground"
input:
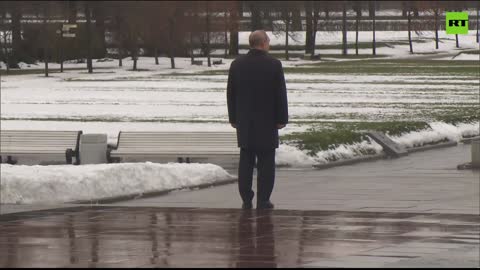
column 335, row 37
column 287, row 155
column 438, row 132
column 75, row 96
column 67, row 183
column 115, row 98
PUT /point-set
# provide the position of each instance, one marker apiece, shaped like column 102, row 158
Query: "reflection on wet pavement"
column 195, row 237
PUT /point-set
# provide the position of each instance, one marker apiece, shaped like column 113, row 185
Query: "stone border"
column 151, row 193
column 381, row 156
column 470, row 139
column 230, row 181
column 350, row 161
column 467, row 166
column 428, row 147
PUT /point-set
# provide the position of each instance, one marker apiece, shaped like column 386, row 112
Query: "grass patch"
column 381, row 66
column 332, row 134
column 391, row 67
column 457, row 115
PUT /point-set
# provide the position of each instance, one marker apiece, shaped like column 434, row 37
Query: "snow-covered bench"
column 38, row 144
column 211, row 147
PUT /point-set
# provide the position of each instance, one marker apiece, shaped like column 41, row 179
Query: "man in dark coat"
column 257, row 108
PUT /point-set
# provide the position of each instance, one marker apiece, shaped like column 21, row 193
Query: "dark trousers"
column 265, row 173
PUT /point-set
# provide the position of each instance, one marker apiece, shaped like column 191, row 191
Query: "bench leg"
column 11, row 161
column 180, row 160
column 188, row 160
column 69, row 155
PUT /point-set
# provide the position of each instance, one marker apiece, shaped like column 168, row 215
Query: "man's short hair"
column 257, row 38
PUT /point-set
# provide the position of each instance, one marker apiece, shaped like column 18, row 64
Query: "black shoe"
column 265, row 205
column 247, row 205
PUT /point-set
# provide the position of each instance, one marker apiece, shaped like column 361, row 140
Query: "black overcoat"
column 257, row 99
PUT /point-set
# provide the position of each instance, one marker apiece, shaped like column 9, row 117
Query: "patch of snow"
column 66, row 183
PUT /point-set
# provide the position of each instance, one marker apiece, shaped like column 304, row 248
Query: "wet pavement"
column 415, row 211
column 424, row 182
column 111, row 236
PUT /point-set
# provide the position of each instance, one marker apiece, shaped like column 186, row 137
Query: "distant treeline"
column 32, row 30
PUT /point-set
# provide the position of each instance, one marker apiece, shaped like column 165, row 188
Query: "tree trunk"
column 344, row 29
column 191, row 48
column 225, row 44
column 256, row 20
column 208, row 34
column 296, row 20
column 171, row 36
column 71, row 44
column 120, row 41
column 45, row 39
column 16, row 37
column 234, row 16
column 456, row 41
column 309, row 27
column 374, row 44
column 135, row 52
column 356, row 32
column 89, row 37
column 5, row 47
column 237, row 13
column 314, row 30
column 478, row 15
column 156, row 55
column 409, row 30
column 436, row 28
column 100, row 47
column 61, row 50
column 287, row 22
column 120, row 56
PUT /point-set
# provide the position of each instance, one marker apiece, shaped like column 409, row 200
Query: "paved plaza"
column 414, row 211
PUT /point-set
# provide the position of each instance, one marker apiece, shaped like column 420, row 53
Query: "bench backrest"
column 146, row 141
column 10, row 140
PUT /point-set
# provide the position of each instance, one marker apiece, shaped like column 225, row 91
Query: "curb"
column 114, row 199
column 470, row 139
column 428, row 147
column 381, row 156
column 350, row 161
column 151, row 193
column 467, row 166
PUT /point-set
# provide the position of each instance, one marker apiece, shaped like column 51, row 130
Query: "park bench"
column 217, row 62
column 38, row 143
column 212, row 147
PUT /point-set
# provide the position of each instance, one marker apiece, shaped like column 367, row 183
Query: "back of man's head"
column 258, row 38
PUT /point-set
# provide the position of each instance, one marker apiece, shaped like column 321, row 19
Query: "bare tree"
column 207, row 25
column 16, row 16
column 89, row 36
column 5, row 36
column 408, row 6
column 372, row 7
column 308, row 26
column 286, row 10
column 344, row 28
column 478, row 15
column 357, row 6
column 235, row 9
column 45, row 38
column 315, row 19
column 255, row 17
